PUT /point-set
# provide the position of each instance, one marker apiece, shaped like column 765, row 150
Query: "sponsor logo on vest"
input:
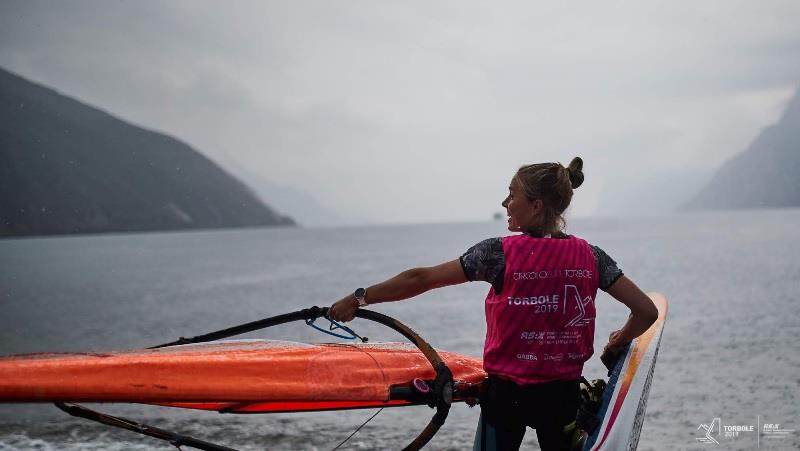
column 572, row 356
column 532, row 275
column 566, row 337
column 551, row 337
column 546, row 274
column 578, row 273
column 531, row 335
column 554, row 357
column 527, row 357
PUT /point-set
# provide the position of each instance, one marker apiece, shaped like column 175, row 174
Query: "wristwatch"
column 361, row 296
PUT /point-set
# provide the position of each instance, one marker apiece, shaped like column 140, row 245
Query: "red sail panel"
column 244, row 372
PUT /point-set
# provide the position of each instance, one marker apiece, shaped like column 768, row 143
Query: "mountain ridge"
column 67, row 167
column 764, row 175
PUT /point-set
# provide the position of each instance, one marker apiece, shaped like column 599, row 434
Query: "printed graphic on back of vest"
column 574, row 302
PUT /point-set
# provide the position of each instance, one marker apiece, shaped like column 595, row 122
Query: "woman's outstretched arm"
column 405, row 285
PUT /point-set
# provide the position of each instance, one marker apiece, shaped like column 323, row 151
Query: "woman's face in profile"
column 522, row 212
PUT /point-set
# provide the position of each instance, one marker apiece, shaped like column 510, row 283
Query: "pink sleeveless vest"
column 540, row 328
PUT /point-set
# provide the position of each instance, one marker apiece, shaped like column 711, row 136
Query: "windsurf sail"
column 250, row 376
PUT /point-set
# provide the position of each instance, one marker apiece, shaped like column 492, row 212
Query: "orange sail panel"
column 235, row 376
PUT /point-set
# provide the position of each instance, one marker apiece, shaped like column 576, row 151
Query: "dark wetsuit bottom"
column 507, row 409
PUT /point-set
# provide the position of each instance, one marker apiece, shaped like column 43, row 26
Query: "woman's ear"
column 537, row 206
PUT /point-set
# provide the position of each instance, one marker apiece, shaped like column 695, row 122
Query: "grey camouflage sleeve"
column 484, row 261
column 607, row 268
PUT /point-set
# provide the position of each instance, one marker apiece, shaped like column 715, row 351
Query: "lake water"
column 730, row 349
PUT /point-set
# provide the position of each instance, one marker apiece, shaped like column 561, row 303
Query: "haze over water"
column 729, row 349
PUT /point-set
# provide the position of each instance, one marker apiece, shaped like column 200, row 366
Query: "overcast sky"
column 421, row 111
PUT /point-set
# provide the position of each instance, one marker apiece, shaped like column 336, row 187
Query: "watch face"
column 360, row 293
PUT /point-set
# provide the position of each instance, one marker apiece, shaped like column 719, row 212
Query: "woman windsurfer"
column 539, row 311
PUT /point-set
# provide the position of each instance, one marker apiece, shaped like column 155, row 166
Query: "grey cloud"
column 365, row 103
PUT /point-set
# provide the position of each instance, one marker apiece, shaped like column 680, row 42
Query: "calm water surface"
column 730, row 348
